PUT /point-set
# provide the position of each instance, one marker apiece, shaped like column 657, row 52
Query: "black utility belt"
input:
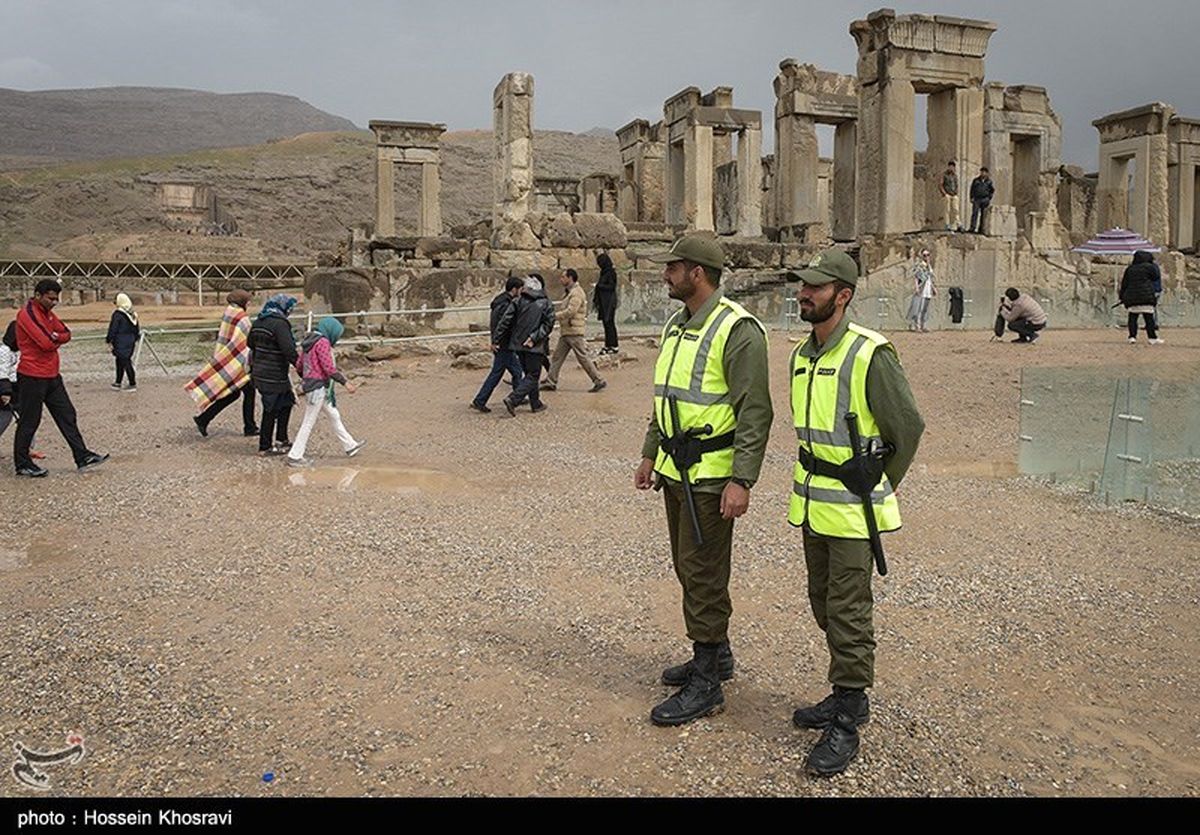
column 819, row 466
column 700, row 445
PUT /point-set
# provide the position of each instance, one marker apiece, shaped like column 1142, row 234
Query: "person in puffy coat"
column 1137, row 295
column 122, row 338
column 525, row 328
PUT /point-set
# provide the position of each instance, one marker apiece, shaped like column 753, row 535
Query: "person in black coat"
column 982, row 191
column 525, row 328
column 1137, row 294
column 604, row 298
column 123, row 333
column 502, row 357
column 272, row 356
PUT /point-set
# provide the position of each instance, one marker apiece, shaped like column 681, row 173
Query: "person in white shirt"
column 923, row 293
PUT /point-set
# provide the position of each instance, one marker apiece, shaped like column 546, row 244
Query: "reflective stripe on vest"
column 691, row 367
column 823, row 391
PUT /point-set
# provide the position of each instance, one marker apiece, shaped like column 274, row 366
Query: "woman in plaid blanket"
column 227, row 375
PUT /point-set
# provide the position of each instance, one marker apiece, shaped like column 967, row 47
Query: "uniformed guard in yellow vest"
column 843, row 368
column 704, row 448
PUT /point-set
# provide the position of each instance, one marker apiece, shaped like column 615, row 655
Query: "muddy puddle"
column 400, row 480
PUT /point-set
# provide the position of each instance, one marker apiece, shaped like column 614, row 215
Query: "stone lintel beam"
column 727, row 118
column 680, row 105
column 636, row 131
column 1182, row 130
column 1138, row 121
column 406, row 134
column 824, row 109
column 923, row 33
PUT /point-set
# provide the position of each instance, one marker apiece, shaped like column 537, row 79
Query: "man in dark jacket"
column 39, row 336
column 272, row 355
column 1137, row 294
column 525, row 328
column 982, row 190
column 502, row 357
column 605, row 300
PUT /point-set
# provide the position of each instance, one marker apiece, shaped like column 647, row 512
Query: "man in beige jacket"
column 572, row 321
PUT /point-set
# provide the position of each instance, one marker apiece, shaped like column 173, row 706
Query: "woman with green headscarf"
column 123, row 333
column 319, row 372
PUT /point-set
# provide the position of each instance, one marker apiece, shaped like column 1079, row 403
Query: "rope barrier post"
column 137, row 351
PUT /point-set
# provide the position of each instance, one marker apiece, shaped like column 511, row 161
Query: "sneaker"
column 1133, row 340
column 541, row 407
column 479, row 407
column 283, row 445
column 131, row 388
column 33, row 471
column 1158, row 341
column 1034, row 337
column 116, row 386
column 548, row 386
column 273, row 451
column 353, row 451
column 510, row 406
column 201, row 425
column 599, row 384
column 92, row 460
column 251, row 433
column 299, row 462
column 1020, row 340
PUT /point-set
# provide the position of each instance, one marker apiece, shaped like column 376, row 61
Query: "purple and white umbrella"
column 1116, row 242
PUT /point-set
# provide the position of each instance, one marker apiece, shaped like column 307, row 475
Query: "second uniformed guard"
column 704, row 449
column 858, row 428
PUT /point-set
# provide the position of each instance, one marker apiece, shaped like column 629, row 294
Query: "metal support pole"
column 157, row 359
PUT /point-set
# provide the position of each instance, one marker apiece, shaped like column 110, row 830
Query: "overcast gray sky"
column 595, row 63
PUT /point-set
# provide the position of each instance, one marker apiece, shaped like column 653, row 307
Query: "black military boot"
column 677, row 676
column 699, row 697
column 836, row 748
column 819, row 716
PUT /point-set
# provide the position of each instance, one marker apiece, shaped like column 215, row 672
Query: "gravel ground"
column 482, row 605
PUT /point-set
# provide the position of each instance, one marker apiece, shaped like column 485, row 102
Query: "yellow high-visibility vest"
column 691, row 366
column 824, row 389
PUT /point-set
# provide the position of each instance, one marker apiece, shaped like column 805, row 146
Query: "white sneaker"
column 1158, row 341
column 1132, row 340
column 299, row 462
column 353, row 451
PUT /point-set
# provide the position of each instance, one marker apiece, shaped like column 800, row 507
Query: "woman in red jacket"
column 39, row 336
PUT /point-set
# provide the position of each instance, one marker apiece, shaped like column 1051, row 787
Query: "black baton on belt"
column 683, row 466
column 868, row 510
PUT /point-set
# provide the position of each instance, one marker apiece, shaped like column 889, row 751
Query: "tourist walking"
column 525, row 328
column 318, row 374
column 122, row 338
column 227, row 375
column 272, row 356
column 572, row 330
column 39, row 336
column 1138, row 296
column 604, row 298
column 502, row 358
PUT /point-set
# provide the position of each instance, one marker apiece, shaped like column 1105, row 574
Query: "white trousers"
column 318, row 403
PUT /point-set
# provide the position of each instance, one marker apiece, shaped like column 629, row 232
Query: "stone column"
column 650, row 183
column 698, row 178
column 512, row 104
column 845, row 151
column 1183, row 205
column 749, row 183
column 1158, row 220
column 798, row 156
column 885, row 158
column 385, row 192
column 673, row 208
column 430, row 219
column 1111, row 195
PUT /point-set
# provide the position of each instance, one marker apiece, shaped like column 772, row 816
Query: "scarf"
column 280, row 305
column 125, row 305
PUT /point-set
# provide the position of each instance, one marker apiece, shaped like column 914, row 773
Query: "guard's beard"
column 819, row 314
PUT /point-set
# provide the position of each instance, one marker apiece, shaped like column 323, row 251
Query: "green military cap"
column 827, row 266
column 695, row 248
